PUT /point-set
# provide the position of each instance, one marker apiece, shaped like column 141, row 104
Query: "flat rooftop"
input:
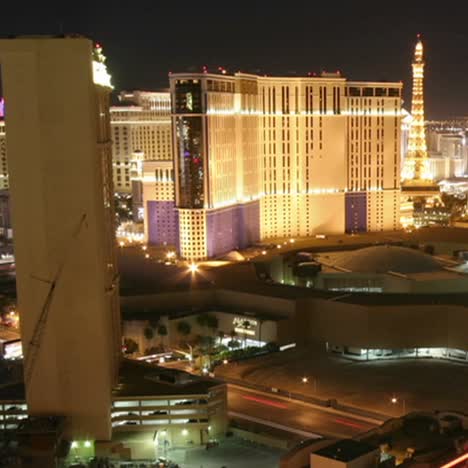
column 141, row 276
column 346, row 450
column 139, row 379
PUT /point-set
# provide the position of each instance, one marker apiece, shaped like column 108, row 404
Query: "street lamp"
column 305, row 380
column 394, row 401
column 193, row 268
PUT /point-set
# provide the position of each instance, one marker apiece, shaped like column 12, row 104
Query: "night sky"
column 364, row 40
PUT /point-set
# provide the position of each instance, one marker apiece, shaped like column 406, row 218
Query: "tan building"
column 265, row 157
column 141, row 131
column 62, row 199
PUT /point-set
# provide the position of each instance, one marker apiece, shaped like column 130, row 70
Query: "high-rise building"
column 141, row 131
column 264, row 157
column 3, row 156
column 59, row 148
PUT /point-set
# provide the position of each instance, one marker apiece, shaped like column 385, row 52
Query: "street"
column 293, row 416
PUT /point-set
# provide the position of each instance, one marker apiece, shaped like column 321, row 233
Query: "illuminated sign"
column 245, row 326
column 2, row 108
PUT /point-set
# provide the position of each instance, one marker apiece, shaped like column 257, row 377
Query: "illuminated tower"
column 416, row 167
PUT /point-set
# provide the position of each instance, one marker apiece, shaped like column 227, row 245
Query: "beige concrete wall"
column 56, row 141
column 256, row 302
column 397, row 327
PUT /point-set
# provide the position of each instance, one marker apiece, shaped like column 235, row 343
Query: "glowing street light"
column 144, row 248
column 264, row 252
column 395, row 401
column 225, row 361
column 193, row 268
column 147, row 256
column 305, row 379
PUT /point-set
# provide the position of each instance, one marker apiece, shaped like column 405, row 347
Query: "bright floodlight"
column 193, row 268
column 305, row 379
column 184, row 432
column 394, row 400
column 74, row 444
column 87, row 444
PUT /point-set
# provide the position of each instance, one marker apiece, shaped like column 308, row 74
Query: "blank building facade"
column 59, row 152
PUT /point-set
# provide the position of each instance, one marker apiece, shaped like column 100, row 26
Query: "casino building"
column 260, row 157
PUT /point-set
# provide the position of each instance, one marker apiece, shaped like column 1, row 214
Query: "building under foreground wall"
column 436, row 439
column 153, row 410
column 389, row 307
column 260, row 157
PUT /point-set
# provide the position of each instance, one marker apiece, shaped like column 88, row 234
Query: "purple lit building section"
column 2, row 108
column 163, row 223
column 232, row 228
column 356, row 212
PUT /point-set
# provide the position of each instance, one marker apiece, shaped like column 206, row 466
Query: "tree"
column 233, row 344
column 220, row 336
column 212, row 322
column 162, row 332
column 184, row 328
column 149, row 333
column 130, row 346
column 245, row 326
column 154, row 322
column 201, row 320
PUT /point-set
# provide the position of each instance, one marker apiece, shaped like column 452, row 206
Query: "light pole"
column 305, row 380
column 394, row 401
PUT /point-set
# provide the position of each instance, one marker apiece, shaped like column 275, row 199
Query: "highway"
column 293, row 416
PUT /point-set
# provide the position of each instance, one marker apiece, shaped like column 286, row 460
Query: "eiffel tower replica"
column 416, row 177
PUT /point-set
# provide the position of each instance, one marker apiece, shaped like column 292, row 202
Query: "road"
column 293, row 415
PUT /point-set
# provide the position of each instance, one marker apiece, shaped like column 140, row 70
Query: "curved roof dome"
column 384, row 258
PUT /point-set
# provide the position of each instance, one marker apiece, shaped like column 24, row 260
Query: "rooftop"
column 383, row 259
column 346, row 450
column 139, row 379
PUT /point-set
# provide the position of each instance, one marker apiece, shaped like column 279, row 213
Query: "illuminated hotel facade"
column 141, row 131
column 266, row 157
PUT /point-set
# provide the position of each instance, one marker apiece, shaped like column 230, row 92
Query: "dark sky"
column 143, row 40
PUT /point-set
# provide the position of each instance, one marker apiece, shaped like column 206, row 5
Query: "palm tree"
column 245, row 326
column 212, row 322
column 162, row 332
column 220, row 336
column 149, row 333
column 184, row 328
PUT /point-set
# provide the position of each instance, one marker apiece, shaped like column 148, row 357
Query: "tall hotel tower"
column 59, row 151
column 266, row 157
column 416, row 175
